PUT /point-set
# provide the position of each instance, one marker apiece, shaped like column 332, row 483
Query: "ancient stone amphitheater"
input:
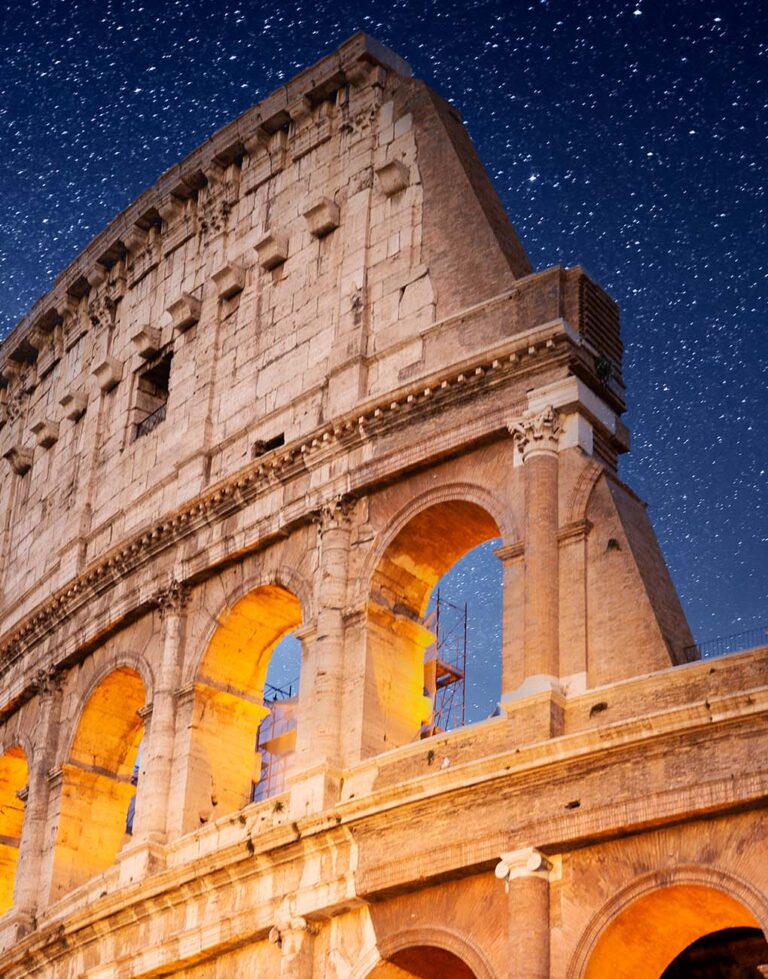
column 285, row 391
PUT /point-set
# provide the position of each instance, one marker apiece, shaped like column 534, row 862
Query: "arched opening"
column 425, row 962
column 231, row 698
column 406, row 669
column 14, row 776
column 98, row 782
column 651, row 933
column 731, row 953
column 276, row 739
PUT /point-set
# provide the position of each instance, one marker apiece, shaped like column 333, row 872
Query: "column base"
column 537, row 708
column 14, row 926
column 140, row 859
column 314, row 789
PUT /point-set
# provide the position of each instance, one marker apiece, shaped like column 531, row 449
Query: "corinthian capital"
column 536, row 433
column 47, row 680
column 173, row 599
column 335, row 513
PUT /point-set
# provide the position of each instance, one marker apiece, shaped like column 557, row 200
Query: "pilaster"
column 537, row 437
column 319, row 735
column 159, row 738
column 31, row 882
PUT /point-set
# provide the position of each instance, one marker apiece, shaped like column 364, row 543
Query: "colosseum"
column 283, row 393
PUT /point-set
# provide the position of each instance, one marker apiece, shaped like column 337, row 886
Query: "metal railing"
column 736, row 643
column 150, row 423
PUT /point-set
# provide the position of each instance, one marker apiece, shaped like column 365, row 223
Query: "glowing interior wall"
column 13, row 778
column 227, row 704
column 423, row 550
column 649, row 934
column 96, row 789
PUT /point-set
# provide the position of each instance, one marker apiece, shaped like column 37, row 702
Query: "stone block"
column 46, row 432
column 393, row 177
column 272, row 250
column 108, row 373
column 229, row 280
column 146, row 340
column 322, row 217
column 19, row 458
column 74, row 404
column 184, row 312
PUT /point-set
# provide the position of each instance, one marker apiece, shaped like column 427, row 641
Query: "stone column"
column 526, row 875
column 537, row 438
column 30, row 890
column 512, row 635
column 295, row 937
column 319, row 735
column 150, row 821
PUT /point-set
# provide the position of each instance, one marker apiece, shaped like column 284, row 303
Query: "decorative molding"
column 334, row 514
column 510, row 553
column 102, row 310
column 537, row 434
column 173, row 599
column 47, row 681
column 578, row 530
column 287, row 927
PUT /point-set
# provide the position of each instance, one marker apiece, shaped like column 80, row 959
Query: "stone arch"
column 223, row 703
column 449, row 492
column 672, row 908
column 96, row 786
column 14, row 778
column 467, row 954
column 425, row 539
column 582, row 491
column 282, row 576
column 119, row 660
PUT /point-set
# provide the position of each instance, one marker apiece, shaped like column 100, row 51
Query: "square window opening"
column 152, row 391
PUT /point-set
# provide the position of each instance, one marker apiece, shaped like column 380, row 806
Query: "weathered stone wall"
column 285, row 391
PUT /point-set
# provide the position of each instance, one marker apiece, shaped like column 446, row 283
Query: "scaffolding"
column 276, row 740
column 445, row 665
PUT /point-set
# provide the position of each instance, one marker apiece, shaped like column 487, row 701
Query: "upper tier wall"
column 336, row 243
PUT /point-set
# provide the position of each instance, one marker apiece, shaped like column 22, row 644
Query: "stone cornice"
column 375, row 418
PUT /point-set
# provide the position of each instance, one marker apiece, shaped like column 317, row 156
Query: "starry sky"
column 627, row 137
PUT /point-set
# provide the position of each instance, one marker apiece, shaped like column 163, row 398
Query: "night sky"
column 629, row 138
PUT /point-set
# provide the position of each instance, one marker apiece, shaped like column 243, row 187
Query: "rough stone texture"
column 237, row 415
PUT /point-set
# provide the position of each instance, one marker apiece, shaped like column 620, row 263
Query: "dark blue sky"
column 628, row 137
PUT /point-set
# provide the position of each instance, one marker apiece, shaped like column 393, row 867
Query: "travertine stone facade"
column 285, row 391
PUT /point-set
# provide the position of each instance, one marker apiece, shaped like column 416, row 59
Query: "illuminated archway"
column 98, row 783
column 398, row 702
column 424, row 962
column 14, row 775
column 228, row 703
column 650, row 932
column 728, row 952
